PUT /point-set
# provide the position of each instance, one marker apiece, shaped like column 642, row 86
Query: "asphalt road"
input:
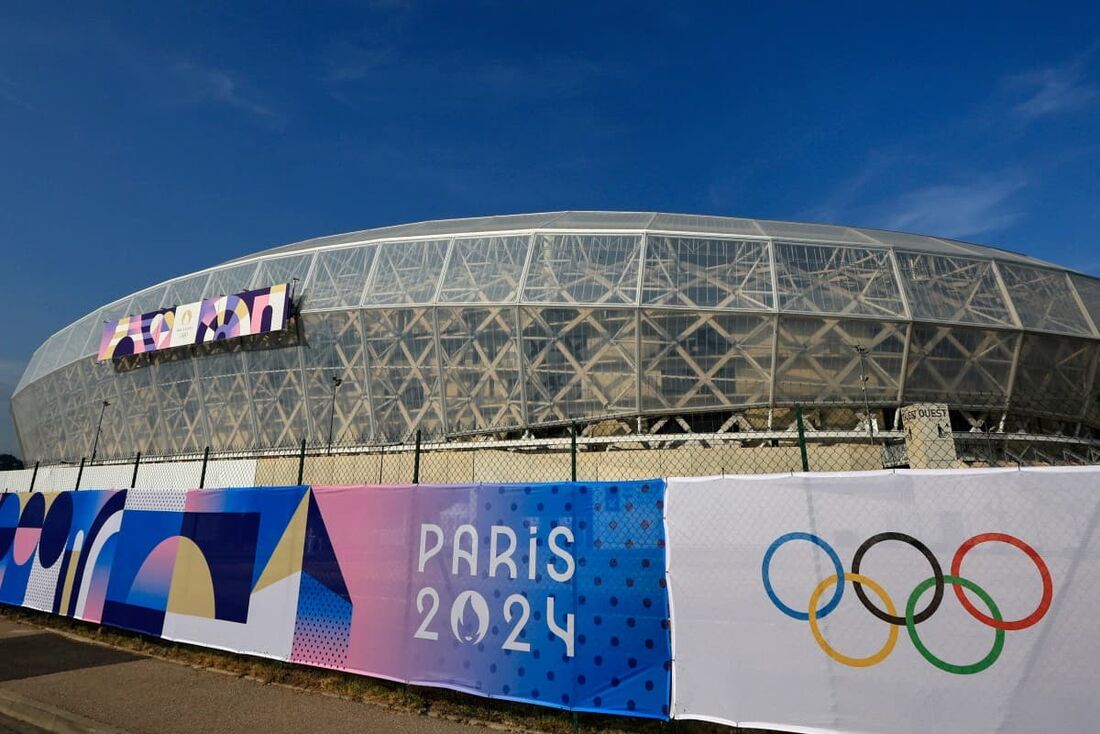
column 127, row 692
column 14, row 726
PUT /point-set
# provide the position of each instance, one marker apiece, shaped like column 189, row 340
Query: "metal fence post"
column 573, row 451
column 34, row 476
column 137, row 463
column 302, row 462
column 801, row 437
column 416, row 459
column 79, row 474
column 205, row 460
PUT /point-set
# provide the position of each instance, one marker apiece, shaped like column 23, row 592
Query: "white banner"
column 967, row 602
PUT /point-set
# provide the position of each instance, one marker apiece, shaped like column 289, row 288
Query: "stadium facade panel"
column 509, row 323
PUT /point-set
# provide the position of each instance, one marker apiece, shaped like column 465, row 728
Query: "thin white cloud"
column 8, row 94
column 374, row 69
column 955, row 210
column 352, row 62
column 203, row 84
column 847, row 200
column 1056, row 90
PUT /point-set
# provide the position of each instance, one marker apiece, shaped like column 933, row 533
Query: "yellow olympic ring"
column 880, row 592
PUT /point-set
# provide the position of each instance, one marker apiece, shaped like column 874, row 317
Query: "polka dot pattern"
column 42, row 586
column 322, row 628
column 168, row 500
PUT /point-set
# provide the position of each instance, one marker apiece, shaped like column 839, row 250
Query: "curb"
column 49, row 717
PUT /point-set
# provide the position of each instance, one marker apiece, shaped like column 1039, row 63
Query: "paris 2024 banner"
column 934, row 601
column 551, row 594
column 947, row 601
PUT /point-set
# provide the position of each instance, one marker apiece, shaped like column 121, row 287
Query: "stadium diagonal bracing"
column 513, row 324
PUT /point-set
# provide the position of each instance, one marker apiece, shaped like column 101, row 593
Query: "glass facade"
column 513, row 321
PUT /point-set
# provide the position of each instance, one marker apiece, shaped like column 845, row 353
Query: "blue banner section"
column 552, row 594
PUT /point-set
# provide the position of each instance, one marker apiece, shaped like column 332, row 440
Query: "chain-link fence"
column 795, row 438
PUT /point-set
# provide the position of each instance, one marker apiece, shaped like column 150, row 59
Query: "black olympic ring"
column 937, row 574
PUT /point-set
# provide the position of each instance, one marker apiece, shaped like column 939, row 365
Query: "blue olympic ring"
column 810, row 537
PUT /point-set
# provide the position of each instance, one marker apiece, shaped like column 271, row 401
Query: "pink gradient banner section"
column 369, row 527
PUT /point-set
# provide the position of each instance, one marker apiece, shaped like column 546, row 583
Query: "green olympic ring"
column 911, row 625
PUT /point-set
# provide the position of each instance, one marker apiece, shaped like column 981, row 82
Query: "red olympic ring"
column 1044, row 572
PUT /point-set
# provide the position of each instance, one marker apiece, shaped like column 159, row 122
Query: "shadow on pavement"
column 29, row 656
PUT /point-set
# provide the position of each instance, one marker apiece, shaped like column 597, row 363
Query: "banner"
column 218, row 568
column 546, row 593
column 226, row 317
column 946, row 601
column 550, row 594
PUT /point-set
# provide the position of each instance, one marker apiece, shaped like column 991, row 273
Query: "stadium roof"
column 636, row 221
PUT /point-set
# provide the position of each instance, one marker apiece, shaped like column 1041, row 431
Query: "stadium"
column 624, row 324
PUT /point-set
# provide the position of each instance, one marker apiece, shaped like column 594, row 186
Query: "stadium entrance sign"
column 929, row 441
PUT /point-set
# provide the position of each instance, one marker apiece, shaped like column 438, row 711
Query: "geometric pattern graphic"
column 51, row 546
column 512, row 321
column 218, row 568
column 257, row 311
column 323, row 622
column 545, row 593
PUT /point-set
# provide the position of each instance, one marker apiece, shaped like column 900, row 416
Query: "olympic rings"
column 937, row 576
column 803, row 616
column 1044, row 573
column 891, row 638
column 998, row 638
column 912, row 617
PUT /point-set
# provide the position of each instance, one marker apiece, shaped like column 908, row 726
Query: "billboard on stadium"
column 247, row 313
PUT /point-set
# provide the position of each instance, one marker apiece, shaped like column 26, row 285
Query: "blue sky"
column 142, row 141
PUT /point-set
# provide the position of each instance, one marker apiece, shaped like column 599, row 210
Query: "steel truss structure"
column 508, row 323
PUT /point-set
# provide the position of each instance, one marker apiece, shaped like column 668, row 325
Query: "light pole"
column 862, row 351
column 98, row 428
column 336, row 382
